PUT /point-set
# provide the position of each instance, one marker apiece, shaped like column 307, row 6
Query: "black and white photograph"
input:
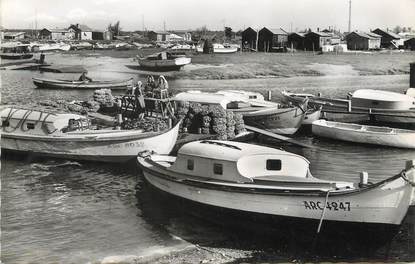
column 207, row 132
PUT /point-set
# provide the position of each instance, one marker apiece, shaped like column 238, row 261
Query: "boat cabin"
column 15, row 48
column 377, row 99
column 238, row 162
column 40, row 123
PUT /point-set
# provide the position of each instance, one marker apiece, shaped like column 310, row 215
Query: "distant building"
column 363, row 41
column 388, row 38
column 13, row 35
column 271, row 39
column 296, row 40
column 410, row 44
column 316, row 40
column 158, row 35
column 82, row 32
column 249, row 39
column 56, row 34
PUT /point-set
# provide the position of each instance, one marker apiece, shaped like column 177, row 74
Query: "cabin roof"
column 227, row 150
column 381, row 95
column 368, row 35
column 201, row 97
column 13, row 34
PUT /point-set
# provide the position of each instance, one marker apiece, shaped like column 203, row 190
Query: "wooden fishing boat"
column 313, row 111
column 272, row 116
column 263, row 180
column 71, row 136
column 385, row 136
column 72, row 84
column 163, row 61
column 15, row 51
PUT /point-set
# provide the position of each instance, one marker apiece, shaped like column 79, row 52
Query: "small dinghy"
column 71, row 136
column 163, row 61
column 263, row 180
column 385, row 136
column 72, row 84
column 313, row 111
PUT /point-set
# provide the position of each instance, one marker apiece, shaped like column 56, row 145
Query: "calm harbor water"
column 58, row 211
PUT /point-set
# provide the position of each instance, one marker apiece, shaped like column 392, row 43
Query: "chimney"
column 318, row 29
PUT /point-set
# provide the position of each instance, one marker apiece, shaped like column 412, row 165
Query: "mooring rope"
column 323, row 213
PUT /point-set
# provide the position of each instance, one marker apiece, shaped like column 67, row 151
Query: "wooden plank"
column 279, row 137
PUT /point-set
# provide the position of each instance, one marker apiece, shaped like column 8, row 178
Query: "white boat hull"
column 385, row 204
column 361, row 134
column 99, row 147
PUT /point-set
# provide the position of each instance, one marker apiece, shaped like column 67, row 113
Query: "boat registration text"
column 333, row 206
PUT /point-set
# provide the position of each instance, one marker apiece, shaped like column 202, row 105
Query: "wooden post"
column 412, row 75
column 269, row 95
column 349, row 106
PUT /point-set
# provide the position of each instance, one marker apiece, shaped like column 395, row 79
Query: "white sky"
column 192, row 14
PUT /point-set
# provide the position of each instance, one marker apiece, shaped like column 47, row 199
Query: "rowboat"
column 257, row 112
column 163, row 61
column 385, row 136
column 15, row 51
column 71, row 136
column 72, row 84
column 313, row 111
column 262, row 180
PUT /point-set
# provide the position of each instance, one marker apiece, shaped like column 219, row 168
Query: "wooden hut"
column 388, row 38
column 272, row 39
column 362, row 41
column 296, row 40
column 409, row 44
column 314, row 41
column 249, row 39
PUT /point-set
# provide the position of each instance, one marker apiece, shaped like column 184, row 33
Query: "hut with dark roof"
column 249, row 39
column 388, row 38
column 358, row 40
column 296, row 40
column 314, row 41
column 272, row 39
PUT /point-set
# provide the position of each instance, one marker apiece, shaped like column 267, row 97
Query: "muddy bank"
column 265, row 65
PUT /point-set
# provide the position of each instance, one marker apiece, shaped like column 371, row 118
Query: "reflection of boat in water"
column 163, row 61
column 262, row 180
column 385, row 136
column 71, row 136
column 75, row 84
column 257, row 112
column 15, row 51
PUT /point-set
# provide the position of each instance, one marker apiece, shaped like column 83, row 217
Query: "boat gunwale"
column 90, row 138
column 248, row 188
column 392, row 132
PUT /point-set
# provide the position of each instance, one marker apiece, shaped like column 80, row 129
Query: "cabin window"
column 5, row 123
column 274, row 164
column 190, row 164
column 217, row 168
column 252, row 97
column 30, row 126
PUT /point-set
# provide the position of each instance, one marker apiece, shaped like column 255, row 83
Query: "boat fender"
column 364, row 179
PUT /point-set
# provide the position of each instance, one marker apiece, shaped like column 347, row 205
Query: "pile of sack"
column 104, row 97
column 209, row 119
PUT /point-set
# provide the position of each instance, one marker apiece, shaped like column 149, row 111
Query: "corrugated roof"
column 368, row 35
column 277, row 31
column 58, row 30
column 84, row 28
column 13, row 34
column 390, row 33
